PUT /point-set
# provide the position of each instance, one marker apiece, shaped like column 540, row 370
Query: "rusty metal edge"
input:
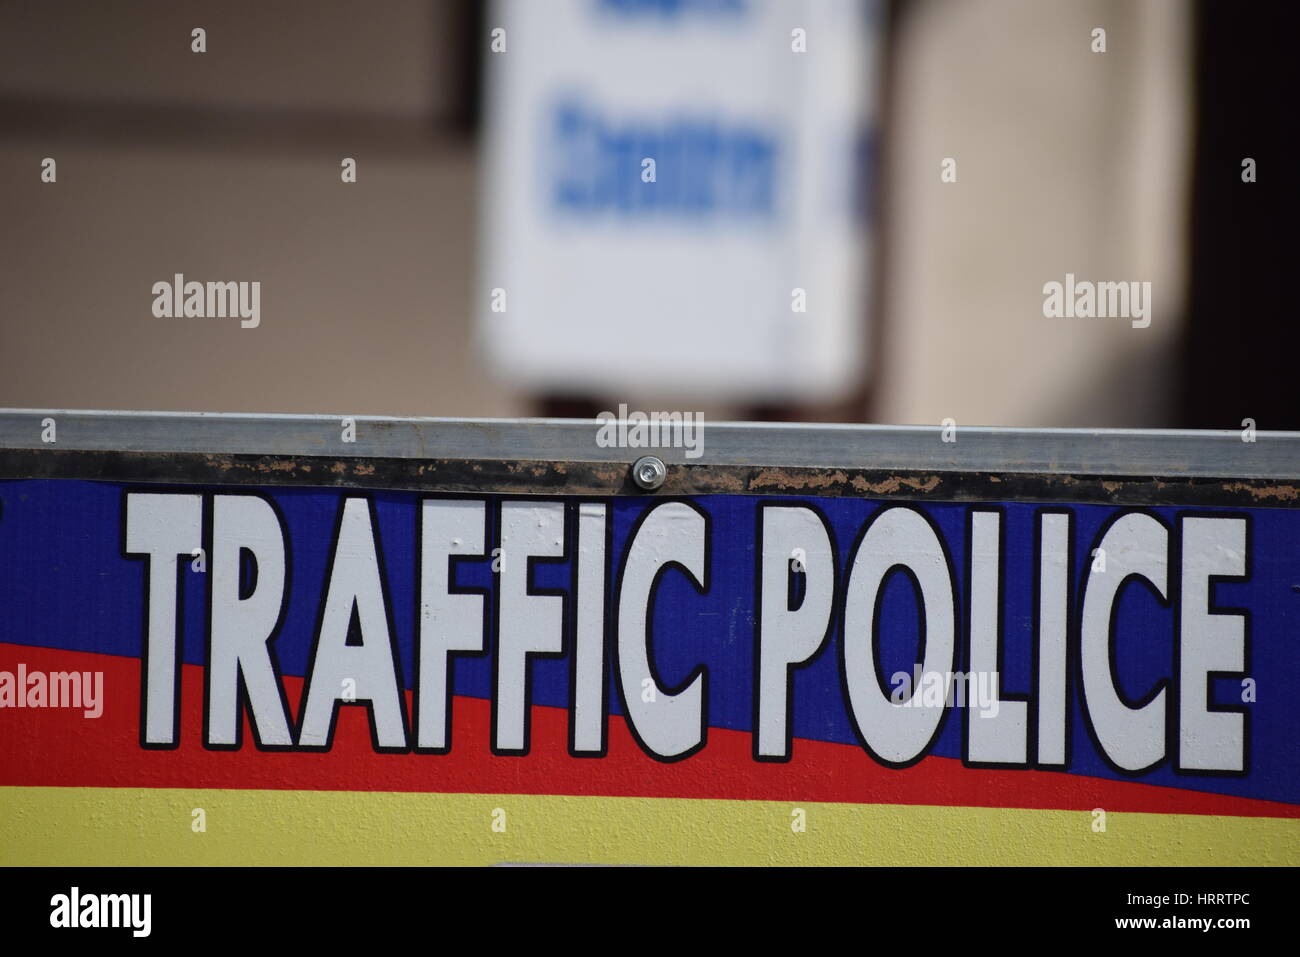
column 606, row 479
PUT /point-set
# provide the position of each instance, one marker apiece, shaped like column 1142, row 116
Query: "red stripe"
column 61, row 747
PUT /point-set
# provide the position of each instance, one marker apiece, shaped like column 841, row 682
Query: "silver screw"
column 649, row 472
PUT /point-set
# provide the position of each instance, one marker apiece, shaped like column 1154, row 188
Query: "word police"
column 355, row 657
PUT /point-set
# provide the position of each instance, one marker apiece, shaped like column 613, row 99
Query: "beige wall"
column 365, row 287
column 395, row 57
column 1067, row 161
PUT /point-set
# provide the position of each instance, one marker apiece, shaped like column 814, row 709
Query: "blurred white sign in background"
column 676, row 195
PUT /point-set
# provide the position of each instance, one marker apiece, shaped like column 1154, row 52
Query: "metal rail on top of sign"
column 595, row 455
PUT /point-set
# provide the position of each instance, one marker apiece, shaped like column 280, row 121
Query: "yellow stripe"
column 129, row 826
